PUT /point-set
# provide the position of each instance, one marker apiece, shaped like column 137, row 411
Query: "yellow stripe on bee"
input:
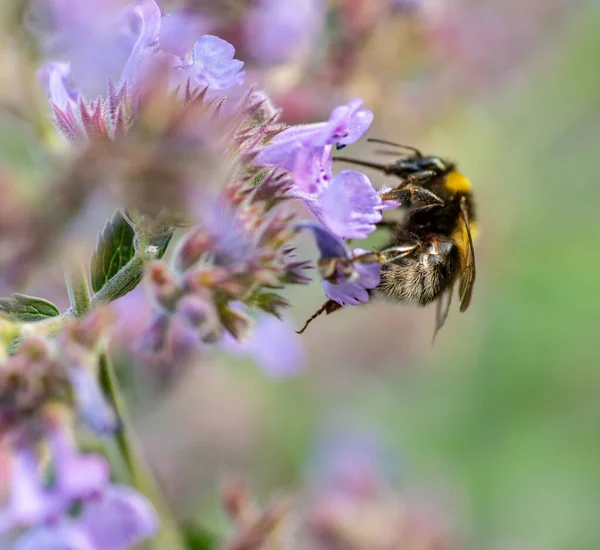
column 457, row 183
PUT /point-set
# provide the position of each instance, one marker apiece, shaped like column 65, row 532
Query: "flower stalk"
column 140, row 475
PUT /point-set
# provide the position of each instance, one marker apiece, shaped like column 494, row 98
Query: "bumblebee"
column 431, row 249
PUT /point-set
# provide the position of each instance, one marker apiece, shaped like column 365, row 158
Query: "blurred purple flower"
column 273, row 344
column 96, row 38
column 58, row 84
column 119, row 519
column 127, row 44
column 350, row 462
column 77, row 476
column 213, row 65
column 64, row 535
column 33, row 501
column 179, row 32
column 90, row 401
column 30, row 502
column 277, row 32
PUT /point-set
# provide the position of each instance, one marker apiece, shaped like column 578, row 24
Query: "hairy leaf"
column 28, row 308
column 114, row 249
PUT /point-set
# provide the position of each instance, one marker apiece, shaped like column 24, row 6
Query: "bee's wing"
column 442, row 309
column 467, row 277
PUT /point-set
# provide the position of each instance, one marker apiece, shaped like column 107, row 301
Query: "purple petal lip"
column 351, row 206
column 353, row 293
column 120, row 519
column 329, row 245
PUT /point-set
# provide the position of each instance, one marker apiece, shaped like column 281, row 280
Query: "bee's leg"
column 412, row 188
column 406, row 195
column 328, row 307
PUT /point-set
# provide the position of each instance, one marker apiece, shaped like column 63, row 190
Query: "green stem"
column 123, row 281
column 78, row 289
column 140, row 473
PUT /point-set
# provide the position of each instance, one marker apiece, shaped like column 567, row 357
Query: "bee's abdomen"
column 421, row 277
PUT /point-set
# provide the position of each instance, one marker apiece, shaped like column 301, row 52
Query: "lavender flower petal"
column 388, row 204
column 276, row 31
column 119, row 519
column 330, row 246
column 273, row 345
column 77, row 476
column 92, row 406
column 213, row 65
column 348, row 123
column 353, row 293
column 277, row 348
column 62, row 536
column 56, row 81
column 145, row 46
column 29, row 502
column 312, row 169
column 179, row 32
column 350, row 205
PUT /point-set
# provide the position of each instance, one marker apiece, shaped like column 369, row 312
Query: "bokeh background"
column 496, row 426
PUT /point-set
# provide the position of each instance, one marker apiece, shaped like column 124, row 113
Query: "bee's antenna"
column 376, row 165
column 328, row 307
column 407, row 147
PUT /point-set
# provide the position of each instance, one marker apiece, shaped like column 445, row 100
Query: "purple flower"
column 276, row 31
column 354, row 292
column 346, row 124
column 129, row 45
column 66, row 535
column 353, row 463
column 30, row 503
column 119, row 519
column 95, row 37
column 179, row 32
column 142, row 56
column 213, row 64
column 273, row 345
column 58, row 84
column 77, row 476
column 388, row 204
column 350, row 205
column 312, row 170
column 346, row 280
column 330, row 246
column 90, row 401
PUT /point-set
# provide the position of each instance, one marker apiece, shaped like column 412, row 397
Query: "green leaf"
column 28, row 308
column 113, row 250
column 198, row 538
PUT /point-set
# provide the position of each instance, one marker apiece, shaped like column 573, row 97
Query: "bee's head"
column 414, row 163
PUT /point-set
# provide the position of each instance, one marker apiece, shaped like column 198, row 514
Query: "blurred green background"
column 503, row 413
